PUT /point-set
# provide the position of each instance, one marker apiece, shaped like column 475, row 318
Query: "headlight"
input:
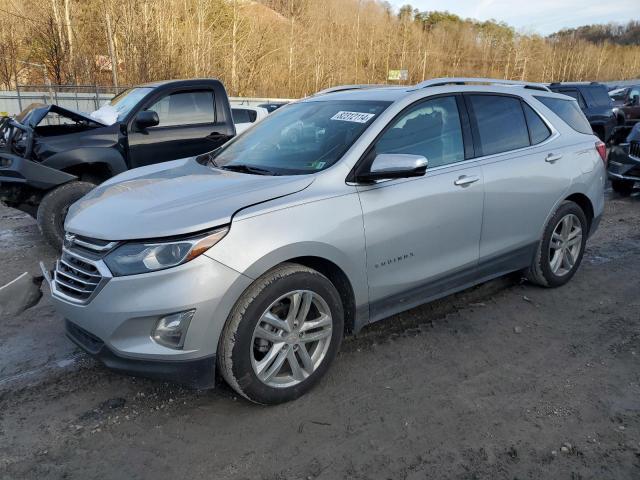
column 134, row 258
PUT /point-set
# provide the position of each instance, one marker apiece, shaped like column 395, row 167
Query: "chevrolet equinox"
column 334, row 212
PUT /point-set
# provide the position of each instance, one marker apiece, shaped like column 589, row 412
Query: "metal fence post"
column 97, row 101
column 19, row 98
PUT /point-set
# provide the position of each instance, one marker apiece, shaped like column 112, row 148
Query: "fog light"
column 171, row 330
column 5, row 162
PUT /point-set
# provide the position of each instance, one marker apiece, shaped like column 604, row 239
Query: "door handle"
column 463, row 181
column 552, row 157
column 216, row 136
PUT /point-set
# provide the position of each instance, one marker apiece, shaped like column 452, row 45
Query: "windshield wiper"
column 243, row 168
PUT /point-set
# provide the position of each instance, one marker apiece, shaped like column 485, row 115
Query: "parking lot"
column 505, row 380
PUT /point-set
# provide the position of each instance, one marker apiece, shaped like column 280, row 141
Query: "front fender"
column 110, row 157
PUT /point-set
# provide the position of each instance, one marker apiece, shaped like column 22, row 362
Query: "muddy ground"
column 502, row 381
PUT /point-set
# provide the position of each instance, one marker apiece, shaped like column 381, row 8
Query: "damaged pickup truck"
column 51, row 156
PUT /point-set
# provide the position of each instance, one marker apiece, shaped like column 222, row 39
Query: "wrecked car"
column 51, row 156
column 623, row 167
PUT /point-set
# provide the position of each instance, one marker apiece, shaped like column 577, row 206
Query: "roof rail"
column 342, row 88
column 438, row 82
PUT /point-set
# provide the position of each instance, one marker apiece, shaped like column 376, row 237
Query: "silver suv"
column 332, row 213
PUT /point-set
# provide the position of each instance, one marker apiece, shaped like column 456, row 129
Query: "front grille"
column 634, row 149
column 75, row 277
column 80, row 272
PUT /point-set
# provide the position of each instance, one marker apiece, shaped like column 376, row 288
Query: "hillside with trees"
column 286, row 48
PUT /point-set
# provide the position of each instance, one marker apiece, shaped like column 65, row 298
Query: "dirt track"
column 503, row 381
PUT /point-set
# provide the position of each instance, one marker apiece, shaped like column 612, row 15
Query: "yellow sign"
column 398, row 75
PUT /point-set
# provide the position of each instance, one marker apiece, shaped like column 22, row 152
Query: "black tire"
column 53, row 210
column 236, row 345
column 540, row 272
column 622, row 187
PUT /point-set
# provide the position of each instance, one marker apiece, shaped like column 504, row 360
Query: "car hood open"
column 35, row 113
column 172, row 198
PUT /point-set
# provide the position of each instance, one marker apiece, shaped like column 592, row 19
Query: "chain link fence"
column 83, row 98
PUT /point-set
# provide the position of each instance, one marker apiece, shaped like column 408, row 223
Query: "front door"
column 187, row 127
column 422, row 234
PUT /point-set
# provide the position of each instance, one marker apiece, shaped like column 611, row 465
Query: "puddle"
column 16, row 238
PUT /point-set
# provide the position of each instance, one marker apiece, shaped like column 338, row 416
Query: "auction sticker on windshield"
column 357, row 117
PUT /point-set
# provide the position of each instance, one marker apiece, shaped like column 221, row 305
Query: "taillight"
column 602, row 150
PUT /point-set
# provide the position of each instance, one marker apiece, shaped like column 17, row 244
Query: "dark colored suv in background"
column 595, row 102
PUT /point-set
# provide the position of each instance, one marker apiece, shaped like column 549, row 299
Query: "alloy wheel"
column 291, row 339
column 565, row 245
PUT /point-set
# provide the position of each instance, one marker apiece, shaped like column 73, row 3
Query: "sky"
column 531, row 16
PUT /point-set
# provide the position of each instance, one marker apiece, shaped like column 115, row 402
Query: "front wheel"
column 282, row 335
column 561, row 248
column 54, row 207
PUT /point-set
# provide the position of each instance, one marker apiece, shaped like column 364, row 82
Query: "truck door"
column 187, row 127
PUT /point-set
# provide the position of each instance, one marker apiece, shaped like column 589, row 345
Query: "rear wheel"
column 282, row 335
column 622, row 187
column 54, row 207
column 562, row 246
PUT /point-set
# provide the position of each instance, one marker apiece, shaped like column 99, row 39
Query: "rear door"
column 422, row 234
column 523, row 174
column 187, row 127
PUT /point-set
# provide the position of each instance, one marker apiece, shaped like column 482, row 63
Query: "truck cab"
column 51, row 156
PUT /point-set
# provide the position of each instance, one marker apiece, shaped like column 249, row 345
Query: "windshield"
column 299, row 138
column 119, row 106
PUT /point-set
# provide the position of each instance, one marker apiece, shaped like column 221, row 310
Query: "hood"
column 35, row 113
column 172, row 198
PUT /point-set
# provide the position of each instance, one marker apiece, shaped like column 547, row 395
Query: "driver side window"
column 431, row 129
column 185, row 108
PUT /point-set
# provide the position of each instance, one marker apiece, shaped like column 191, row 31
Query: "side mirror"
column 634, row 101
column 146, row 119
column 394, row 165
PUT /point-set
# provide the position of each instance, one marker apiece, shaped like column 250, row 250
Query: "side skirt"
column 486, row 270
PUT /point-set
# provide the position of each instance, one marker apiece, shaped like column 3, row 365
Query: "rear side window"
column 598, row 96
column 575, row 94
column 500, row 123
column 569, row 111
column 538, row 130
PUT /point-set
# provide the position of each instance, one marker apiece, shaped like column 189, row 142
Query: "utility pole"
column 112, row 53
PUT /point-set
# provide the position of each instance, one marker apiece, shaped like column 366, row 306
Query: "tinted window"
column 575, row 94
column 500, row 123
column 431, row 129
column 568, row 111
column 538, row 130
column 599, row 95
column 185, row 108
column 243, row 115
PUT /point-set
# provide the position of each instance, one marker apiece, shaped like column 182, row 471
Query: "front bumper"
column 116, row 324
column 198, row 373
column 20, row 171
column 622, row 165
